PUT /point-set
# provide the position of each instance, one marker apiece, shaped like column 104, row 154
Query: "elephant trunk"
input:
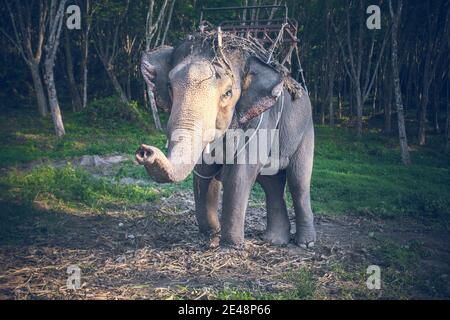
column 181, row 159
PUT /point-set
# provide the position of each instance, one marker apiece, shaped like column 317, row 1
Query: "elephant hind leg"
column 278, row 225
column 299, row 174
column 206, row 193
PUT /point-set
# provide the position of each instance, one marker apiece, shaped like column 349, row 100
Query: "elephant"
column 210, row 90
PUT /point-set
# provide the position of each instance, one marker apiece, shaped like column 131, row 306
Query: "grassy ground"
column 358, row 179
column 349, row 176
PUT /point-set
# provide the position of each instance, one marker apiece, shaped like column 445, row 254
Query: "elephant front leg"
column 206, row 194
column 237, row 184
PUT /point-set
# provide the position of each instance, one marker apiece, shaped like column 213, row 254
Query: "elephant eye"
column 228, row 94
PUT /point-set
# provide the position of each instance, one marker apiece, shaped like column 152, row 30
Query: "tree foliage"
column 348, row 67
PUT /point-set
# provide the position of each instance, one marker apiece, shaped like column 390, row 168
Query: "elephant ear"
column 262, row 86
column 155, row 67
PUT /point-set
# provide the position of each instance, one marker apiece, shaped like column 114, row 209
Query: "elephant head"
column 201, row 93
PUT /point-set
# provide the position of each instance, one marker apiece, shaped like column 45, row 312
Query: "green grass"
column 25, row 137
column 305, row 284
column 235, row 294
column 399, row 268
column 72, row 188
column 303, row 281
column 401, row 257
column 350, row 176
column 367, row 177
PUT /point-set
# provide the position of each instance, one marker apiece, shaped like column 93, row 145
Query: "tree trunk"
column 316, row 95
column 330, row 96
column 169, row 19
column 85, row 58
column 436, row 93
column 322, row 114
column 151, row 98
column 436, row 126
column 359, row 111
column 129, row 84
column 84, row 66
column 435, row 50
column 116, row 84
column 351, row 100
column 39, row 89
column 342, row 93
column 56, row 17
column 77, row 104
column 53, row 99
column 388, row 106
column 396, row 77
column 323, row 98
column 331, row 67
column 22, row 40
column 423, row 115
column 331, row 77
column 388, row 117
column 150, row 29
column 331, row 108
column 355, row 58
column 375, row 97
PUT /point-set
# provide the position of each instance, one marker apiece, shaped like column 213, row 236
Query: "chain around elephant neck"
column 250, row 139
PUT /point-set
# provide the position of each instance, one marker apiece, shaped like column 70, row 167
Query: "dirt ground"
column 151, row 252
column 154, row 251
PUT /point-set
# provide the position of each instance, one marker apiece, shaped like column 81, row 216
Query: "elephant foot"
column 305, row 236
column 232, row 242
column 214, row 242
column 212, row 239
column 278, row 238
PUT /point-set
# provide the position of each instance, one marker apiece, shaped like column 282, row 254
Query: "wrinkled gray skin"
column 199, row 93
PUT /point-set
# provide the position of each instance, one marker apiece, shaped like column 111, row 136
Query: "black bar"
column 220, row 309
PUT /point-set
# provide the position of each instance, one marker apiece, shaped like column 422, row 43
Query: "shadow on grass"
column 24, row 225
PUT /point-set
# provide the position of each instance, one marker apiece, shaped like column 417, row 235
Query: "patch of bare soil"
column 155, row 252
column 86, row 161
